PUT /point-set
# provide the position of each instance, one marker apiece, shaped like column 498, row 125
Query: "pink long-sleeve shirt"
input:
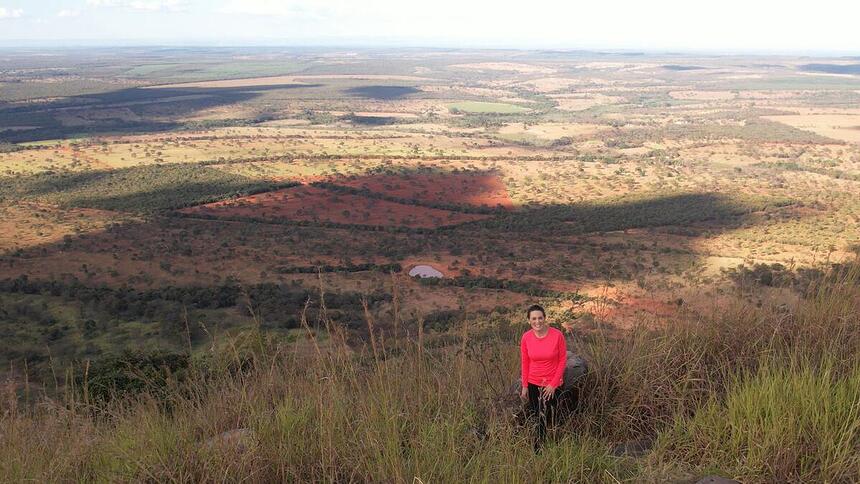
column 543, row 359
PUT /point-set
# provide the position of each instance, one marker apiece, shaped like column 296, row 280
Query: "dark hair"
column 534, row 307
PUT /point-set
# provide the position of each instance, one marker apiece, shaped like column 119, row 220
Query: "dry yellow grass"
column 386, row 114
column 550, row 130
column 551, row 84
column 251, row 142
column 703, row 95
column 844, row 127
column 774, row 94
column 457, row 91
column 505, row 66
column 25, row 225
column 581, row 102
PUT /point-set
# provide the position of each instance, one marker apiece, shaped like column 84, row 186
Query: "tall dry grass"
column 760, row 394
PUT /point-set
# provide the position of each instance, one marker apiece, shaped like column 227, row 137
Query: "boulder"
column 575, row 369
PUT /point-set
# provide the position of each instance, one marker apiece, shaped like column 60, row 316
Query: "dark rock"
column 574, row 369
column 716, row 480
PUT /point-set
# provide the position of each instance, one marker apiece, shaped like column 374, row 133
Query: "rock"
column 239, row 440
column 574, row 369
column 716, row 480
column 633, row 448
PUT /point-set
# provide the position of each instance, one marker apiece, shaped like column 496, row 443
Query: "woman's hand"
column 547, row 392
column 524, row 394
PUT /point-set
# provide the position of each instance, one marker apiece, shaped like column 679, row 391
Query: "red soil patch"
column 633, row 306
column 614, row 305
column 454, row 188
column 634, row 310
column 308, row 203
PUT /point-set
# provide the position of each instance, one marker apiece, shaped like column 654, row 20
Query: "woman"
column 543, row 354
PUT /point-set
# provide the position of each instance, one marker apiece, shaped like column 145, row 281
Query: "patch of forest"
column 42, row 321
column 484, row 282
column 393, row 267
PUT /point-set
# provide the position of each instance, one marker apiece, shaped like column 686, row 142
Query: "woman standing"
column 543, row 354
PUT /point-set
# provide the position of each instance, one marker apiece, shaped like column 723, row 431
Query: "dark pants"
column 542, row 412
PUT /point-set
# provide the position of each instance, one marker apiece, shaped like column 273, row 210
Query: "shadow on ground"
column 144, row 110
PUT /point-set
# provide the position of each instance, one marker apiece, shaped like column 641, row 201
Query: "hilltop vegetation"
column 757, row 394
column 80, row 322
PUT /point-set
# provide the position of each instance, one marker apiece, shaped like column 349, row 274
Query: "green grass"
column 486, row 107
column 525, row 139
column 796, row 423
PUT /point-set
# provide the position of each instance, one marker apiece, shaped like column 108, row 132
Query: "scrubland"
column 190, row 248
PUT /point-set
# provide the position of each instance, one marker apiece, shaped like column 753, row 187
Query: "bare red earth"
column 454, row 188
column 631, row 309
column 308, row 203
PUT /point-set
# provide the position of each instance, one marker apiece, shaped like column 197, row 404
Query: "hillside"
column 202, row 240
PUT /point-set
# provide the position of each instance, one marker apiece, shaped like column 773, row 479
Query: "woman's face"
column 537, row 320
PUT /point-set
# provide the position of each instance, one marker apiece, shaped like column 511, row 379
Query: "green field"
column 486, row 107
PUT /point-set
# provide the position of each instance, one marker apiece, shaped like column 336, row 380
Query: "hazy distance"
column 733, row 26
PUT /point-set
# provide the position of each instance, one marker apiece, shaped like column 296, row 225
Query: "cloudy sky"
column 767, row 26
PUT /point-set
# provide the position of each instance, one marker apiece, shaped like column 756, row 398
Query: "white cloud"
column 68, row 13
column 11, row 12
column 149, row 5
column 276, row 8
column 662, row 24
column 759, row 25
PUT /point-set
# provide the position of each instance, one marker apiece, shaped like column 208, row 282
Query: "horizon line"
column 13, row 44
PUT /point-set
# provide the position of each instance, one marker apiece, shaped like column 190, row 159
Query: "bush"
column 132, row 373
